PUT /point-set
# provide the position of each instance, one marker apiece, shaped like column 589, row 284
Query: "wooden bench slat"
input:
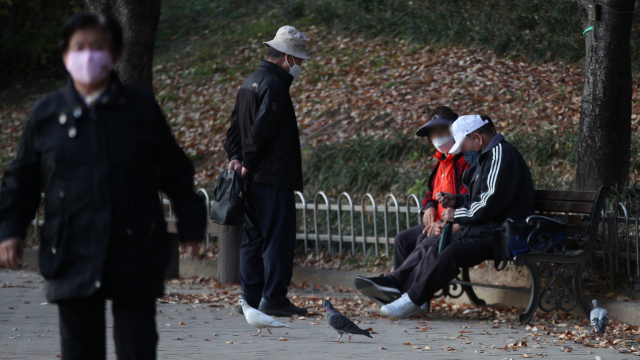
column 563, row 206
column 582, row 196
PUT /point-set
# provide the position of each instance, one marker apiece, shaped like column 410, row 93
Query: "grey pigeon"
column 599, row 318
column 341, row 323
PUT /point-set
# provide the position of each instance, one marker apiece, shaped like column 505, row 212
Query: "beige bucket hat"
column 290, row 41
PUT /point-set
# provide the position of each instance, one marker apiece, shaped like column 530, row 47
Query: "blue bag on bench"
column 511, row 239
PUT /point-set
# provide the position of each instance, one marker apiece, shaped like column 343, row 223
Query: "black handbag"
column 228, row 200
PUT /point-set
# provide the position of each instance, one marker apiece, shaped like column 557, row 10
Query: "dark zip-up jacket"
column 500, row 187
column 263, row 134
column 100, row 169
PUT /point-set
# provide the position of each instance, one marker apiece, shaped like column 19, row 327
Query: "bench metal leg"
column 534, row 300
column 471, row 294
column 577, row 285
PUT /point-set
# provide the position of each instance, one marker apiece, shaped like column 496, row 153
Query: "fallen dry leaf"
column 566, row 348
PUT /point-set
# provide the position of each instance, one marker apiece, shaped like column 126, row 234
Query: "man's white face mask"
column 294, row 70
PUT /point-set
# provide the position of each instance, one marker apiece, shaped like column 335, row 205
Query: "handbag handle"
column 219, row 192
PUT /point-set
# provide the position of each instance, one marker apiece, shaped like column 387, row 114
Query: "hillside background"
column 377, row 68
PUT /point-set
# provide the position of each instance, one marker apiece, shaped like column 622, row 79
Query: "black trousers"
column 83, row 333
column 407, row 271
column 268, row 244
column 436, row 270
column 404, row 243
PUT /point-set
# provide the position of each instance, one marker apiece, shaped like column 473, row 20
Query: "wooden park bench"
column 580, row 212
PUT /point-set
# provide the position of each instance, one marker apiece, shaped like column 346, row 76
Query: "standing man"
column 263, row 145
column 100, row 151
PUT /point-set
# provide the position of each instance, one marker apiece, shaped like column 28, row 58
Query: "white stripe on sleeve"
column 491, row 184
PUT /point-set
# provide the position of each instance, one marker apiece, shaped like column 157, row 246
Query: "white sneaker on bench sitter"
column 424, row 309
column 401, row 308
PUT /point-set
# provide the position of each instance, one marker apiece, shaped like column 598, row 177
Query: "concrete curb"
column 628, row 312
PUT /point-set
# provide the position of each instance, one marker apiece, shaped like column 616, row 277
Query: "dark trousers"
column 436, row 270
column 408, row 270
column 404, row 243
column 83, row 333
column 268, row 244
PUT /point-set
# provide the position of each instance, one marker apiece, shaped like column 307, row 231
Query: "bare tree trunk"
column 605, row 118
column 139, row 20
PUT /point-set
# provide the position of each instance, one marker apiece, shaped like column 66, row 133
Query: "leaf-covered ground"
column 205, row 50
column 547, row 330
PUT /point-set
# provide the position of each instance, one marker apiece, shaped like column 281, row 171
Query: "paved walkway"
column 29, row 330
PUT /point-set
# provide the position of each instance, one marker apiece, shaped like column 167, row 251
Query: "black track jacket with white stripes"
column 501, row 188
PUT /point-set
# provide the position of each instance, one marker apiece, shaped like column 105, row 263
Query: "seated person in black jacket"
column 499, row 188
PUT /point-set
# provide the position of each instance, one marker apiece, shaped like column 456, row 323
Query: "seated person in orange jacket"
column 409, row 245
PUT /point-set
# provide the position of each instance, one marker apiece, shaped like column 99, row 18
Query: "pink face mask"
column 89, row 67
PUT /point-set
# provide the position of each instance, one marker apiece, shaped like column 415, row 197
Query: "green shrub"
column 401, row 163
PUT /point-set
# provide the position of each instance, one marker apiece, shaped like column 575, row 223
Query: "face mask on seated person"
column 471, row 157
column 443, row 144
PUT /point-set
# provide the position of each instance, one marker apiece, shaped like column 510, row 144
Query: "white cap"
column 290, row 41
column 464, row 126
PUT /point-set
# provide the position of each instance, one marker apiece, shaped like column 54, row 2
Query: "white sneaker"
column 401, row 308
column 424, row 309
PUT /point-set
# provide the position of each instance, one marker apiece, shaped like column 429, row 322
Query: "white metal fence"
column 323, row 223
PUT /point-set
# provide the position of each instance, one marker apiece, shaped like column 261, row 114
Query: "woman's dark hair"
column 89, row 20
column 445, row 112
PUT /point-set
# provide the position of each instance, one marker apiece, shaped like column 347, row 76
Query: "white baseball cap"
column 464, row 126
column 290, row 41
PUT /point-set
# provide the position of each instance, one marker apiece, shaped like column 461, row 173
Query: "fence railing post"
column 208, row 204
column 375, row 223
column 353, row 231
column 229, row 254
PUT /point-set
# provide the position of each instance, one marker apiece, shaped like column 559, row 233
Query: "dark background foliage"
column 28, row 37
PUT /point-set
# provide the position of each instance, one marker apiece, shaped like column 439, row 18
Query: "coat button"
column 105, row 99
column 77, row 112
column 62, row 118
column 72, row 132
column 98, row 284
column 61, row 193
column 129, row 232
column 53, row 249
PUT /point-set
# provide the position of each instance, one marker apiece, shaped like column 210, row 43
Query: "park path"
column 29, row 330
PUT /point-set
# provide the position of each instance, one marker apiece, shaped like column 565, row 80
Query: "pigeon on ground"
column 599, row 318
column 341, row 323
column 258, row 319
